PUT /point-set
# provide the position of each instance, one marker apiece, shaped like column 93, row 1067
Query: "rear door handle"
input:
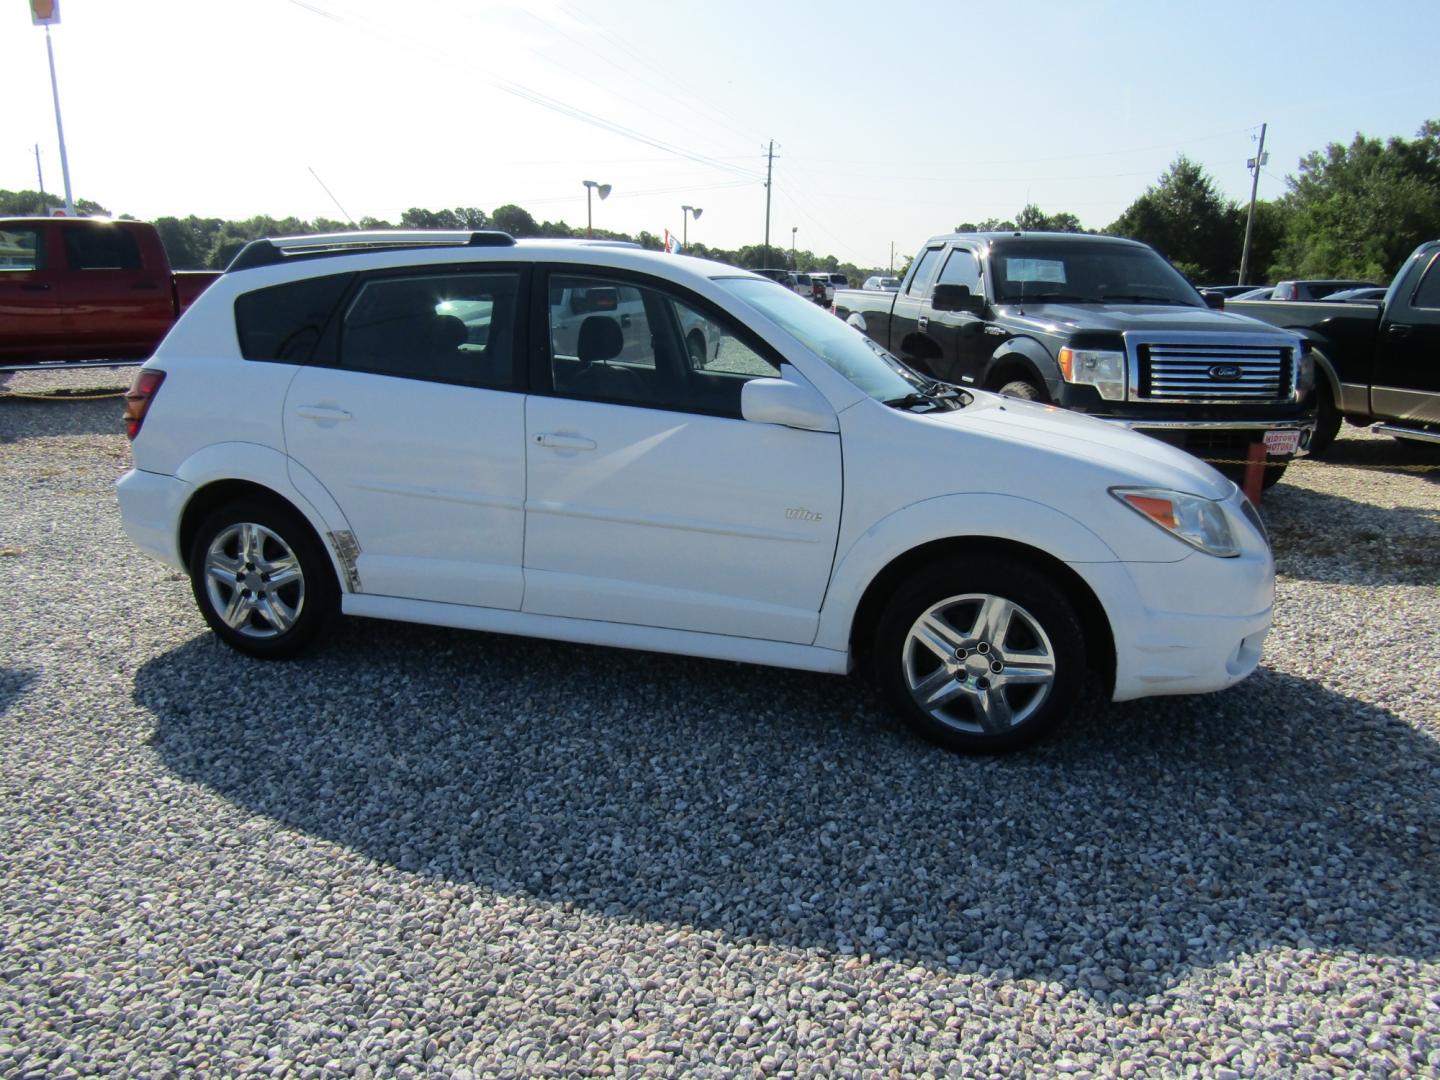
column 321, row 413
column 1398, row 330
column 35, row 286
column 564, row 442
column 146, row 285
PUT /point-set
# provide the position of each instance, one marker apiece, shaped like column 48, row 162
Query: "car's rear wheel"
column 261, row 579
column 980, row 656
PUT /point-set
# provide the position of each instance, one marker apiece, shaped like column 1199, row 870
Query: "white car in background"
column 427, row 427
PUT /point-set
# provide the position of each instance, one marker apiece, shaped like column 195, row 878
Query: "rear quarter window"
column 284, row 322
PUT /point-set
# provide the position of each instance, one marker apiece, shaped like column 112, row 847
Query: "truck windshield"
column 1037, row 271
column 844, row 348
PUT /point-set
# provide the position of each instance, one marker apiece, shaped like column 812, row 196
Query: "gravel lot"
column 431, row 852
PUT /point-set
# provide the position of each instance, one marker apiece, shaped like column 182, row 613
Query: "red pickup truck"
column 84, row 292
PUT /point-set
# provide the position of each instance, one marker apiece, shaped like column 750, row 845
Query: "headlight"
column 1198, row 521
column 1099, row 368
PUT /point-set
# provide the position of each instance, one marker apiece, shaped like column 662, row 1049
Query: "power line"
column 535, row 97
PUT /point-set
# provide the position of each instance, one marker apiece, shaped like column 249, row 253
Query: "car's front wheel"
column 982, row 655
column 261, row 579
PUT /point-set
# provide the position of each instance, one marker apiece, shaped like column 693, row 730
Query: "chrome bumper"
column 1212, row 425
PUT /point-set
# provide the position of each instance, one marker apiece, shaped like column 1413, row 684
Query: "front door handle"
column 922, row 323
column 556, row 441
column 322, row 413
column 1399, row 331
column 35, row 286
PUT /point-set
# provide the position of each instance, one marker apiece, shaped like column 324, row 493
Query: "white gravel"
column 426, row 852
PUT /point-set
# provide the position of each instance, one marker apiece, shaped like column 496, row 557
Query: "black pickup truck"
column 1376, row 362
column 1100, row 325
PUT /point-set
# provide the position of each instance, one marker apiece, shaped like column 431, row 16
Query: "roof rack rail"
column 277, row 249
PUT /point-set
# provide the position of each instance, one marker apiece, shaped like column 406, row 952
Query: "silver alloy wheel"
column 254, row 580
column 978, row 663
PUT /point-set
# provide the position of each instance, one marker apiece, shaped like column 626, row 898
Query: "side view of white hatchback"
column 524, row 437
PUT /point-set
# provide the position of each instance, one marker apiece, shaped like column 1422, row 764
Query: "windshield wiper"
column 1126, row 298
column 936, row 393
column 1050, row 298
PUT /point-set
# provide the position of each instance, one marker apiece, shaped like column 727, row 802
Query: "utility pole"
column 39, row 172
column 769, row 166
column 892, row 258
column 1254, row 163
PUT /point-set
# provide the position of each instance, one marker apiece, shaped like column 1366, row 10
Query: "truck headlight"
column 1099, row 368
column 1200, row 522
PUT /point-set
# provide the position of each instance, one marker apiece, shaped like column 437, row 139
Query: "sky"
column 892, row 121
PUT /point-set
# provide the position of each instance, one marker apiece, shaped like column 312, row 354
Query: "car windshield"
column 851, row 353
column 1040, row 271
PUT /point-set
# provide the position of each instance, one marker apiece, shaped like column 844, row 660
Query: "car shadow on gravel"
column 1142, row 842
column 1322, row 537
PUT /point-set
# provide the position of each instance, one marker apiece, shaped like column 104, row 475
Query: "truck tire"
column 1327, row 420
column 1022, row 389
column 1273, row 472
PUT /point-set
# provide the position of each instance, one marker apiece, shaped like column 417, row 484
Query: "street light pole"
column 603, row 190
column 793, row 229
column 686, row 213
column 59, row 127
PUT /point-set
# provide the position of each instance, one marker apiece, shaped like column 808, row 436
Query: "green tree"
column 1185, row 219
column 1358, row 210
column 514, row 220
column 38, row 204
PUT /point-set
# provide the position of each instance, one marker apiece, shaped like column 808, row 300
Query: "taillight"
column 138, row 398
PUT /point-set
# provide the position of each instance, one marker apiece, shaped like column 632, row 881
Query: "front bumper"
column 1175, row 624
column 150, row 508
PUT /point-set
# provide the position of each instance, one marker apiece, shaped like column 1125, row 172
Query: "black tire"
column 268, row 619
column 1041, row 632
column 1327, row 419
column 1020, row 388
column 1274, row 470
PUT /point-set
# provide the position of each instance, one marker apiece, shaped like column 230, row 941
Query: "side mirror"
column 790, row 404
column 957, row 298
column 1213, row 300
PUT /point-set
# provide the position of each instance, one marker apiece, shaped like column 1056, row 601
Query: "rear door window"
column 457, row 327
column 101, row 247
column 1427, row 294
column 924, row 274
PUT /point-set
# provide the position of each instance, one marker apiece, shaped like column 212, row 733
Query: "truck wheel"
column 980, row 655
column 1022, row 389
column 261, row 579
column 1273, row 472
column 695, row 346
column 1327, row 420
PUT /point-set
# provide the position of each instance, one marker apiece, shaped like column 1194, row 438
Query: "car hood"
column 1148, row 318
column 1122, row 457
